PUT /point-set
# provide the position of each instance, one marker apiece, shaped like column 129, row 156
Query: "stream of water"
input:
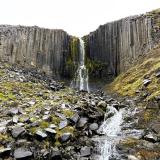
column 111, row 127
column 80, row 80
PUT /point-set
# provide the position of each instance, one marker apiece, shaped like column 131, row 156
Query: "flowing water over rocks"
column 114, row 130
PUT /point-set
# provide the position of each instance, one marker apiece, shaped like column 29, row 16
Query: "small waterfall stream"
column 110, row 129
column 80, row 80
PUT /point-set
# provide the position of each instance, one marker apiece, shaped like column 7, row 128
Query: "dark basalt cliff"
column 110, row 50
column 115, row 46
column 49, row 50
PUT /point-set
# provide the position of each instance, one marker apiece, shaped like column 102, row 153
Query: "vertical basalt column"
column 35, row 47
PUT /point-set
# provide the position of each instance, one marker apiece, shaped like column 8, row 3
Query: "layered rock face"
column 36, row 47
column 115, row 46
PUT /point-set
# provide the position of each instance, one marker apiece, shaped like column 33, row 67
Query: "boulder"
column 63, row 124
column 93, row 126
column 85, row 151
column 40, row 135
column 22, row 153
column 146, row 82
column 52, row 126
column 13, row 111
column 5, row 152
column 17, row 131
column 65, row 137
column 56, row 154
column 74, row 119
column 82, row 122
column 50, row 131
column 102, row 104
column 151, row 137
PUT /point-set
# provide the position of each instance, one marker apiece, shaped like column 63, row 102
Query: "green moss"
column 33, row 130
column 93, row 65
column 67, row 112
column 6, row 97
column 44, row 124
column 56, row 120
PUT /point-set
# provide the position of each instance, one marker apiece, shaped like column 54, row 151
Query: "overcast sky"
column 77, row 17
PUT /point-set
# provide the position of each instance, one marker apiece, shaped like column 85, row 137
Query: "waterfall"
column 80, row 80
column 111, row 129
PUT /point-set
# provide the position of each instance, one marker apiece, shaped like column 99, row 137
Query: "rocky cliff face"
column 49, row 50
column 113, row 47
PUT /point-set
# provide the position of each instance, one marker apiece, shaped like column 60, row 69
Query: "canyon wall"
column 115, row 46
column 49, row 50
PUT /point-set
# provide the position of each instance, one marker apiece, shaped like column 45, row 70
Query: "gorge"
column 43, row 118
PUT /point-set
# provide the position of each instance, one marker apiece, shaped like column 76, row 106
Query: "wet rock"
column 40, row 135
column 32, row 102
column 62, row 116
column 102, row 104
column 52, row 126
column 82, row 122
column 5, row 152
column 46, row 118
column 146, row 82
column 13, row 111
column 85, row 151
column 50, row 131
column 15, row 119
column 74, row 119
column 22, row 153
column 65, row 137
column 131, row 157
column 156, row 127
column 45, row 154
column 35, row 124
column 63, row 124
column 119, row 106
column 93, row 126
column 17, row 131
column 158, row 74
column 56, row 154
column 151, row 137
column 3, row 129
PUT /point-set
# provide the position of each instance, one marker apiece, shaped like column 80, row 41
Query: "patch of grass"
column 126, row 84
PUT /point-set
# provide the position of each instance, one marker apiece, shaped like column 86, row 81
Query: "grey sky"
column 77, row 17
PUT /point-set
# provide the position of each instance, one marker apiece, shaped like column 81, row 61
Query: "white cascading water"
column 80, row 80
column 111, row 129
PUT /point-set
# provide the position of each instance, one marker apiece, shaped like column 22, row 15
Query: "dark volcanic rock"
column 50, row 131
column 17, row 131
column 63, row 124
column 74, row 119
column 158, row 74
column 13, row 111
column 93, row 126
column 65, row 137
column 85, row 151
column 146, row 82
column 82, row 122
column 41, row 135
column 56, row 154
column 22, row 153
column 5, row 152
column 150, row 137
